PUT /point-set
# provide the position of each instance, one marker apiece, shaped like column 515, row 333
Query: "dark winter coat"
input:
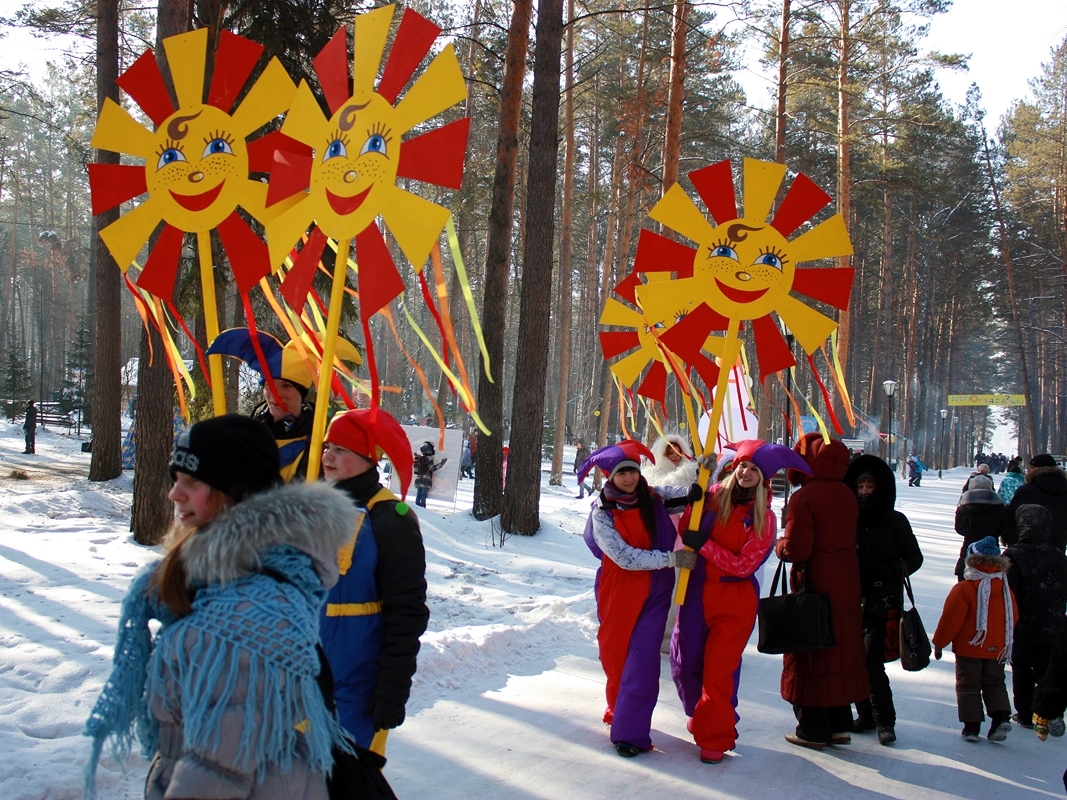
column 424, row 468
column 1046, row 486
column 31, row 419
column 1050, row 697
column 884, row 541
column 1038, row 577
column 981, row 513
column 292, row 435
column 400, row 581
column 820, row 530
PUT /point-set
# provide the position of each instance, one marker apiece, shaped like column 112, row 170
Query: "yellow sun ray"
column 826, row 240
column 269, row 96
column 285, row 230
column 762, row 179
column 118, row 132
column 185, row 55
column 811, row 327
column 254, row 201
column 415, row 222
column 372, row 30
column 679, row 213
column 305, row 121
column 126, row 236
column 716, row 345
column 615, row 313
column 630, row 368
column 439, row 88
column 669, row 294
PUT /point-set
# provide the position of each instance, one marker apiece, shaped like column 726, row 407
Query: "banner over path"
column 987, row 399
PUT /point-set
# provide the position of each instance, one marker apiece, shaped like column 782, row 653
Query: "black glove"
column 695, row 493
column 387, row 715
column 694, row 539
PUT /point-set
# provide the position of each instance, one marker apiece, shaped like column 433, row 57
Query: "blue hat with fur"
column 984, row 547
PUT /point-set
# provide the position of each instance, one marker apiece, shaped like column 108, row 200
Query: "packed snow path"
column 509, row 694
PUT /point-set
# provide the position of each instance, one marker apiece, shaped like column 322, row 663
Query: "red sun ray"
column 297, row 283
column 654, row 386
column 379, row 282
column 831, row 285
column 715, row 185
column 657, row 253
column 772, row 353
column 627, row 286
column 290, row 173
column 413, row 40
column 686, row 338
column 112, row 184
column 261, row 150
column 161, row 269
column 614, row 342
column 248, row 256
column 236, row 58
column 331, row 67
column 803, row 200
column 436, row 156
column 144, row 83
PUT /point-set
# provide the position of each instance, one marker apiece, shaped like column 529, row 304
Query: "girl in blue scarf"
column 224, row 698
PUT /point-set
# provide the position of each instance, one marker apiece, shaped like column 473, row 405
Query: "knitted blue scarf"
column 273, row 625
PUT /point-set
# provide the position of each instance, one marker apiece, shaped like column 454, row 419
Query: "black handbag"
column 914, row 643
column 794, row 623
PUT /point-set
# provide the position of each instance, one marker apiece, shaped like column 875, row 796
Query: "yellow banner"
column 987, row 399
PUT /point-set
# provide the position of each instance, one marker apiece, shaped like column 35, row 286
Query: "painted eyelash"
column 170, row 144
column 340, row 136
column 774, row 251
column 382, row 130
column 719, row 243
column 219, row 134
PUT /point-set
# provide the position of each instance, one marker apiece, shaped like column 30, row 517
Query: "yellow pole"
column 730, row 353
column 211, row 320
column 377, row 744
column 329, row 346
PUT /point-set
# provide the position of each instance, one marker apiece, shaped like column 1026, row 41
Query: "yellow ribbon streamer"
column 468, row 297
column 807, row 400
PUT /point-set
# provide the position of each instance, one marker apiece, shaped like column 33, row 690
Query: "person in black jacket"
column 376, row 613
column 30, row 427
column 981, row 513
column 887, row 551
column 1050, row 697
column 1046, row 485
column 1038, row 577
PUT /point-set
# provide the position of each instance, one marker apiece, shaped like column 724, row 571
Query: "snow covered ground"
column 509, row 694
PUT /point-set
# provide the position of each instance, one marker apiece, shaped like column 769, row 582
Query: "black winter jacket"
column 401, row 580
column 1050, row 697
column 1038, row 577
column 887, row 547
column 1046, row 486
column 981, row 513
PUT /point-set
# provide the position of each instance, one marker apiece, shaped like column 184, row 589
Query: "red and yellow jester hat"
column 354, row 430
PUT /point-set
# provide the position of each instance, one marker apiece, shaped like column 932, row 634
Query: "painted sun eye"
column 679, row 317
column 769, row 260
column 170, row 156
column 336, row 149
column 723, row 251
column 374, row 144
column 216, row 146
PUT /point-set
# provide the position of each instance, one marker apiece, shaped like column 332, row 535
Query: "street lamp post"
column 941, row 461
column 890, row 388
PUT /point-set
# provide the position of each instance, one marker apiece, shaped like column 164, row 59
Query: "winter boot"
column 627, row 750
column 999, row 727
column 711, row 756
column 971, row 731
column 886, row 735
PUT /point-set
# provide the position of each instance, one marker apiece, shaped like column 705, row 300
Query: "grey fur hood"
column 988, row 563
column 980, row 497
column 313, row 517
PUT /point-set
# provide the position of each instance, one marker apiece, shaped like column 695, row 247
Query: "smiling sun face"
column 745, row 271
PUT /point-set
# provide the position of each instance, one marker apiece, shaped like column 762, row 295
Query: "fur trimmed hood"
column 1051, row 479
column 980, row 497
column 313, row 517
column 663, row 472
column 988, row 563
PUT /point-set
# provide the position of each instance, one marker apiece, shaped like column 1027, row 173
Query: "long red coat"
column 820, row 528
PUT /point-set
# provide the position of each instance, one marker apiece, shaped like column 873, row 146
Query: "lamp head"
column 889, row 387
column 944, row 413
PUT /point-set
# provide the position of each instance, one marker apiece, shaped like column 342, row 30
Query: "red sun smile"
column 346, row 205
column 198, row 202
column 739, row 295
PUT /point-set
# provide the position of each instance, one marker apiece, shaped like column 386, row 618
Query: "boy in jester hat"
column 290, row 415
column 631, row 532
column 374, row 616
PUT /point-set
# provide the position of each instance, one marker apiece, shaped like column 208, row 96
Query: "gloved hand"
column 695, row 493
column 694, row 540
column 1041, row 727
column 387, row 715
column 681, row 558
column 937, row 653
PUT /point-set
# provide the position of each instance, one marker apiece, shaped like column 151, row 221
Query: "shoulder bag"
column 794, row 623
column 914, row 643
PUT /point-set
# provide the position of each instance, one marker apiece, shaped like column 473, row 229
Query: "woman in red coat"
column 820, row 541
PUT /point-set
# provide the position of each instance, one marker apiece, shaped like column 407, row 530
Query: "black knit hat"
column 234, row 454
column 1043, row 460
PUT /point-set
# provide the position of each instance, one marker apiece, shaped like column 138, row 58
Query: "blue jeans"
column 420, row 496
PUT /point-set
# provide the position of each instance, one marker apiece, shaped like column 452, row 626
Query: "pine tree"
column 15, row 383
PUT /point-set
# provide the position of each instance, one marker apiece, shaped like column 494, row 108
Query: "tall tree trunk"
column 106, row 462
column 522, row 493
column 672, row 140
column 488, row 458
column 565, row 249
column 152, row 512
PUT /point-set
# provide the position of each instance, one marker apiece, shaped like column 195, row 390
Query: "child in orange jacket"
column 979, row 620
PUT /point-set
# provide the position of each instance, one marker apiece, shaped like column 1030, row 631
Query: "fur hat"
column 369, row 435
column 1043, row 460
column 659, row 448
column 980, row 482
column 234, row 454
column 983, row 469
column 984, row 547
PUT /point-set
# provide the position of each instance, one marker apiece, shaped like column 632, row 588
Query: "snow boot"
column 886, row 735
column 711, row 756
column 863, row 724
column 971, row 731
column 792, row 738
column 999, row 727
column 627, row 750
